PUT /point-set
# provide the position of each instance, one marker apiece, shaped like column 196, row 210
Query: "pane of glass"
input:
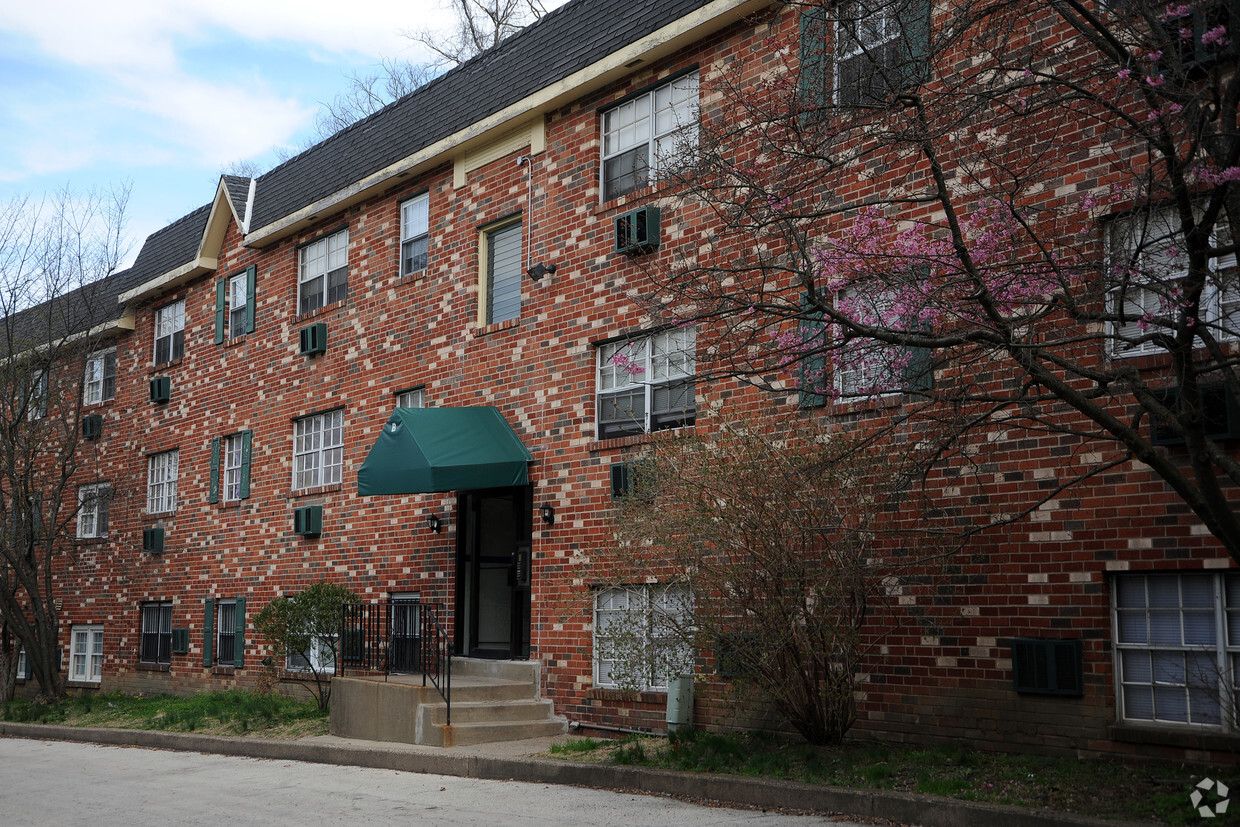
column 1135, row 667
column 1165, row 626
column 1164, row 591
column 1171, row 704
column 1139, row 703
column 1132, row 627
column 1199, row 628
column 1168, row 667
column 1205, row 707
column 1197, row 590
column 1130, row 592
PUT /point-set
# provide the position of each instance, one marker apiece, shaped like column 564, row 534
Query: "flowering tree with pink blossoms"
column 977, row 216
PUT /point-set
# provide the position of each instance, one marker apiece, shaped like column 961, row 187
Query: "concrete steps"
column 491, row 701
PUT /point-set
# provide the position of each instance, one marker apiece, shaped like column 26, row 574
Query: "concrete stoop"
column 491, row 701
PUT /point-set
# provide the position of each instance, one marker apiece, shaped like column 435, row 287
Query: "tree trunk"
column 8, row 665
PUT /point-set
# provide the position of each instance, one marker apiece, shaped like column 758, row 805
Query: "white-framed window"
column 233, row 465
column 161, row 482
column 645, row 383
column 650, row 131
column 412, row 398
column 320, row 658
column 414, row 233
column 642, row 636
column 94, row 502
column 1147, row 262
column 881, row 47
column 86, row 654
column 23, row 667
column 238, row 299
column 156, row 645
column 501, row 250
column 1177, row 648
column 225, row 632
column 169, row 332
column 36, row 404
column 318, row 450
column 100, row 381
column 323, row 272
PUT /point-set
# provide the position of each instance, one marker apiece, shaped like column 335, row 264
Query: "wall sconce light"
column 548, row 513
column 539, row 270
column 433, row 523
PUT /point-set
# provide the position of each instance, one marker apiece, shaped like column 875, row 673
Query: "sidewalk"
column 520, row 761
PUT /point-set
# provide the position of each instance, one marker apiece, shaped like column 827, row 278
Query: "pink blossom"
column 1215, row 37
column 1154, row 80
column 1154, row 56
column 1124, row 74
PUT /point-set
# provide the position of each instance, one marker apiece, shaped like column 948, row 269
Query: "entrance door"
column 493, row 572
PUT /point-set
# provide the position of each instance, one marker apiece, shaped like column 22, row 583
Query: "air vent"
column 180, row 641
column 637, row 232
column 92, row 426
column 313, row 339
column 1048, row 667
column 153, row 540
column 308, row 520
column 161, row 389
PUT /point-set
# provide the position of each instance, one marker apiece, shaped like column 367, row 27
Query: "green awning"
column 428, row 450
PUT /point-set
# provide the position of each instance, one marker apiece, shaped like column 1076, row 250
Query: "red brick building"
column 479, row 244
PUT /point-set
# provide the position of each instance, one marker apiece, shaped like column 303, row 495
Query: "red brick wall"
column 947, row 674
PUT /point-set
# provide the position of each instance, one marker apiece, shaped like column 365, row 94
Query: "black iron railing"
column 398, row 637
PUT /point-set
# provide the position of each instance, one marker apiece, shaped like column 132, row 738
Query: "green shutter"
column 813, row 368
column 247, row 437
column 916, row 25
column 214, row 488
column 239, row 640
column 251, row 282
column 221, row 293
column 812, row 80
column 208, row 633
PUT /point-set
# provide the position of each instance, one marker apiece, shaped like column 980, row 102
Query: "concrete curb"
column 926, row 810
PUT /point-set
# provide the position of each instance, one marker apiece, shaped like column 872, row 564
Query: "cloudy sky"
column 164, row 94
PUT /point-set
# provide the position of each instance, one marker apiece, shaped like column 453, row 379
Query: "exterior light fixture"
column 548, row 513
column 539, row 270
column 433, row 523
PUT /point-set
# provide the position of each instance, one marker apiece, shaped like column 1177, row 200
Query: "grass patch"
column 1101, row 789
column 576, row 745
column 213, row 713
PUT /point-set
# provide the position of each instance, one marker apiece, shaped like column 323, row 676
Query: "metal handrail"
column 368, row 633
column 441, row 649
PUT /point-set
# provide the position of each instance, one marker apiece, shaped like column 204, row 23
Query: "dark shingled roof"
column 75, row 312
column 172, row 247
column 238, row 188
column 565, row 41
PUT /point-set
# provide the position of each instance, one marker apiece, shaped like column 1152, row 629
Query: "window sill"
column 1173, row 736
column 100, row 404
column 600, row 445
column 224, row 670
column 410, row 278
column 234, row 341
column 322, row 311
column 498, row 327
column 82, row 684
column 90, row 541
column 166, row 365
column 310, row 492
column 628, row 695
column 154, row 667
column 300, row 675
